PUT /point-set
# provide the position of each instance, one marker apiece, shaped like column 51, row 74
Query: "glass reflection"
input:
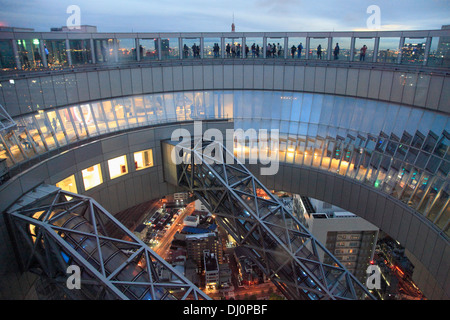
column 30, row 53
column 80, row 51
column 388, row 50
column 439, row 55
column 170, row 48
column 401, row 151
column 55, row 52
column 148, row 49
column 413, row 50
column 6, row 55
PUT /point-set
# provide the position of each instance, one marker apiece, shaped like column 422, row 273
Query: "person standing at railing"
column 319, row 52
column 293, row 50
column 299, row 50
column 336, row 51
column 362, row 53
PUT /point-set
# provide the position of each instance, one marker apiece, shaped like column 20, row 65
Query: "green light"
column 377, row 183
column 35, row 41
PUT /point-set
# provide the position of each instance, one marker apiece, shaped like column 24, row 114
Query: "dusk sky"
column 204, row 16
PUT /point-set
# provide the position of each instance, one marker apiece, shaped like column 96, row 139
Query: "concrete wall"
column 33, row 92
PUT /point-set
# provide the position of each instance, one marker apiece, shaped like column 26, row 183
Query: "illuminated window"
column 117, row 167
column 143, row 159
column 68, row 184
column 92, row 177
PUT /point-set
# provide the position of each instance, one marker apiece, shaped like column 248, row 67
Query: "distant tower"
column 233, row 29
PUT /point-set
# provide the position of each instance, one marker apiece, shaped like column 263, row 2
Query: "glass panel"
column 439, row 55
column 341, row 48
column 88, row 119
column 117, row 167
column 109, row 110
column 92, row 177
column 388, row 50
column 364, row 49
column 191, row 48
column 211, row 48
column 34, row 133
column 68, row 184
column 104, row 50
column 120, row 111
column 6, row 55
column 29, row 53
column 318, row 48
column 78, row 122
column 57, row 128
column 147, row 49
column 99, row 117
column 67, row 124
column 233, row 47
column 80, row 51
column 275, row 48
column 296, row 47
column 170, row 48
column 126, row 49
column 255, row 47
column 143, row 159
column 46, row 129
column 413, row 50
column 57, row 55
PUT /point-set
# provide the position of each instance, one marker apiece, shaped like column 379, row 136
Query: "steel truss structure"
column 53, row 229
column 259, row 222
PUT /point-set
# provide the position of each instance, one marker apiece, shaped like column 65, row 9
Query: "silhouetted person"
column 319, row 51
column 336, row 51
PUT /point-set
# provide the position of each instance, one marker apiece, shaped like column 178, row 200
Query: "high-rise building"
column 349, row 238
column 197, row 244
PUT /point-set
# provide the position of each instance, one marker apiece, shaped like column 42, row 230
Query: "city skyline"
column 202, row 16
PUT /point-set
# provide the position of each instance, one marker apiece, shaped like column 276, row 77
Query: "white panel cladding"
column 341, row 81
column 352, row 82
column 420, row 97
column 114, row 80
column 386, row 85
column 398, row 84
column 48, row 92
column 330, row 80
column 218, row 76
column 238, row 76
column 444, row 102
column 105, row 84
column 434, row 92
column 374, row 84
column 188, row 78
column 363, row 83
column 94, row 85
column 82, row 87
column 136, row 80
column 319, row 79
column 167, row 79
